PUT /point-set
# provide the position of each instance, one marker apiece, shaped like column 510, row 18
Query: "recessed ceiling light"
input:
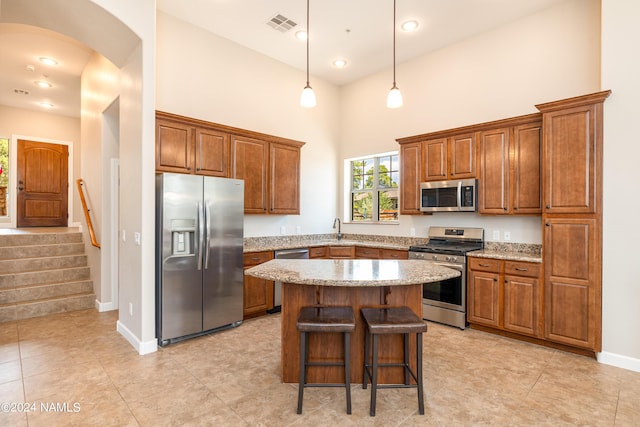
column 46, row 105
column 43, row 84
column 409, row 25
column 339, row 63
column 48, row 61
column 30, row 68
column 301, row 35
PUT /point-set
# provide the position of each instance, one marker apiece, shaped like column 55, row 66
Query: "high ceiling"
column 359, row 31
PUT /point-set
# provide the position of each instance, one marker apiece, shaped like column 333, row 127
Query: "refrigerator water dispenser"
column 183, row 237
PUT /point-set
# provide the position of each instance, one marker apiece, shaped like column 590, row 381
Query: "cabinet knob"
column 504, row 209
column 515, row 209
column 548, row 207
column 548, row 225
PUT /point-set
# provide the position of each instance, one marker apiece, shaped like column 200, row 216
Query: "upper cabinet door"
column 250, row 158
column 212, row 152
column 434, row 159
column 462, row 156
column 526, row 167
column 572, row 153
column 410, row 177
column 174, row 147
column 570, row 157
column 284, row 179
column 494, row 172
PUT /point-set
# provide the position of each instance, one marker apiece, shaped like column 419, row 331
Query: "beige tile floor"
column 231, row 378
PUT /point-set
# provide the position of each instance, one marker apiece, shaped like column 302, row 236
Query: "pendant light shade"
column 308, row 97
column 394, row 99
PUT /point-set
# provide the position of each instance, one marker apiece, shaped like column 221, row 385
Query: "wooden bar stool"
column 324, row 319
column 392, row 320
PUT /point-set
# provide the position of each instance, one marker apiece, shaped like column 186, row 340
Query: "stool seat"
column 385, row 321
column 326, row 319
column 393, row 320
column 323, row 319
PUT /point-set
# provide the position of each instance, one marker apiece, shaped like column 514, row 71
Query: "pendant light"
column 308, row 97
column 394, row 99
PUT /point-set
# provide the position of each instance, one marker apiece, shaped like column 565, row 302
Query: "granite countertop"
column 351, row 273
column 507, row 255
column 269, row 244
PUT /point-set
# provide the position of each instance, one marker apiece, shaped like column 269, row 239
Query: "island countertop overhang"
column 351, row 273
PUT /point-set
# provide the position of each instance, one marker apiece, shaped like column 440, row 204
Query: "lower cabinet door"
column 258, row 296
column 484, row 298
column 521, row 305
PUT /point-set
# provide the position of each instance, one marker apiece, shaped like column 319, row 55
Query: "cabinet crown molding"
column 578, row 101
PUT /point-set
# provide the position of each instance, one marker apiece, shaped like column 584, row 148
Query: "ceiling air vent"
column 281, row 23
column 21, row 91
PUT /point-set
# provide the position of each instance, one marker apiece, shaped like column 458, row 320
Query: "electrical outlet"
column 496, row 235
column 412, row 231
column 298, row 229
column 507, row 236
column 283, row 230
column 124, row 235
column 136, row 238
column 130, row 309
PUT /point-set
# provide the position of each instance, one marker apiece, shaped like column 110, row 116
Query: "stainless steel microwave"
column 449, row 196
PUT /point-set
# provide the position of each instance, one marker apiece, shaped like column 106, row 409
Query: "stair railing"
column 87, row 216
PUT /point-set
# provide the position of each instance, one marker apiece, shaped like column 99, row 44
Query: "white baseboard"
column 104, row 306
column 141, row 347
column 619, row 361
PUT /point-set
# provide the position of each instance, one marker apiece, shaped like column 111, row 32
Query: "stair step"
column 43, row 263
column 40, row 239
column 48, row 290
column 46, row 306
column 35, row 251
column 14, row 280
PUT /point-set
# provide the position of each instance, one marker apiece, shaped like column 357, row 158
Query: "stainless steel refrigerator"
column 199, row 275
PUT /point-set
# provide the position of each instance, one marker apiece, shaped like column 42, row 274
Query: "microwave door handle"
column 459, row 195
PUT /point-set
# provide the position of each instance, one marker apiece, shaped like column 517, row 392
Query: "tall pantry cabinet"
column 572, row 220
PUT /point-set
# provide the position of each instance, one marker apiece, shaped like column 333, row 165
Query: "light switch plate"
column 507, row 236
column 496, row 235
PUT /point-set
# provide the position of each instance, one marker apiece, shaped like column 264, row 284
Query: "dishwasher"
column 302, row 253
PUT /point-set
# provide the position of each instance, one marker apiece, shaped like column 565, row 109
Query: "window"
column 374, row 188
column 4, row 175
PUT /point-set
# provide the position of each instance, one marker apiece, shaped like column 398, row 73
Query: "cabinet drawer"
column 318, row 252
column 342, row 252
column 255, row 258
column 393, row 254
column 370, row 253
column 484, row 264
column 517, row 268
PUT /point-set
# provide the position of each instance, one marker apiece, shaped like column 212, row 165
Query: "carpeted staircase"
column 43, row 273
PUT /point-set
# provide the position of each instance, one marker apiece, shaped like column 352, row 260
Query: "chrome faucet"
column 334, row 227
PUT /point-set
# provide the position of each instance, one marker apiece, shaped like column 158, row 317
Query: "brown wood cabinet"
column 318, row 252
column 258, row 293
column 269, row 165
column 510, row 167
column 394, row 254
column 410, row 178
column 367, row 253
column 271, row 173
column 452, row 157
column 572, row 218
column 504, row 295
column 341, row 252
column 572, row 282
column 186, row 145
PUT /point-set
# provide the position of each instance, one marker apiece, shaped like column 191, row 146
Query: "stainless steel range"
column 446, row 301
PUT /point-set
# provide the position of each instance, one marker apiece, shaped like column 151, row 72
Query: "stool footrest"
column 324, row 385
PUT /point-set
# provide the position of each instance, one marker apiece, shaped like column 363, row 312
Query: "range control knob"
column 454, row 259
column 434, row 257
column 447, row 258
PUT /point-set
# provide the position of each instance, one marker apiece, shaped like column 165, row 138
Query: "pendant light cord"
column 394, row 43
column 308, row 42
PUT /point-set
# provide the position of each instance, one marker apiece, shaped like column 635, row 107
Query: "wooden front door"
column 42, row 184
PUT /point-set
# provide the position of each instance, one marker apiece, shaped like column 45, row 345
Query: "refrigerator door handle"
column 207, row 241
column 200, row 226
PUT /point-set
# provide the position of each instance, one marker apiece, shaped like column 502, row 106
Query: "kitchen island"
column 356, row 283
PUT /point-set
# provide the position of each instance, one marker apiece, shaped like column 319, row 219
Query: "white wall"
column 99, row 87
column 503, row 73
column 207, row 77
column 621, row 283
column 16, row 121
